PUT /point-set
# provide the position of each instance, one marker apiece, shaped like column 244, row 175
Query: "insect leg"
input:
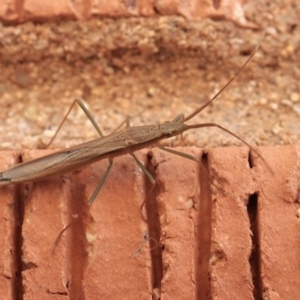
column 87, row 113
column 127, row 121
column 100, row 184
column 144, row 169
column 185, row 155
column 182, row 154
column 90, row 117
column 233, row 134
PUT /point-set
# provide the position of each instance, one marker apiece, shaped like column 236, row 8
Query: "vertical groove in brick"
column 114, row 233
column 203, row 234
column 231, row 236
column 178, row 189
column 75, row 237
column 250, row 160
column 11, row 207
column 279, row 227
column 274, row 223
column 19, row 4
column 154, row 229
column 18, row 212
column 216, row 4
column 254, row 259
column 43, row 275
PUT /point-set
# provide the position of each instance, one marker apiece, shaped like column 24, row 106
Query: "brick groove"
column 203, row 233
column 14, row 12
column 243, row 250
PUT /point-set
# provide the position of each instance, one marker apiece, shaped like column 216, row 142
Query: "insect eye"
column 169, row 134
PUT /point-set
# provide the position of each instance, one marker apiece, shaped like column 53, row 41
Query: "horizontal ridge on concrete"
column 231, row 235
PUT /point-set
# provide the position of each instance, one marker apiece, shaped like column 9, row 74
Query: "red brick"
column 8, row 223
column 231, row 236
column 146, row 7
column 113, row 8
column 33, row 10
column 115, row 232
column 44, row 206
column 9, row 10
column 279, row 226
column 178, row 193
column 121, row 8
column 94, row 257
column 47, row 10
column 277, row 221
column 195, row 9
column 223, row 10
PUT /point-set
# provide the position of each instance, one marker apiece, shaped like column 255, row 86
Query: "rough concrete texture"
column 152, row 69
column 232, row 235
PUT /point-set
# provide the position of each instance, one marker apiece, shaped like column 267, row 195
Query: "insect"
column 125, row 141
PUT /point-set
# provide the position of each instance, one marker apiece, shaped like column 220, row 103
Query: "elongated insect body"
column 125, row 141
column 128, row 140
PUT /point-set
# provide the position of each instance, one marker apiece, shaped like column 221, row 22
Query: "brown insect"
column 125, row 141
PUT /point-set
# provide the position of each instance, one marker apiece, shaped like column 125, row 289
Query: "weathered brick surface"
column 34, row 10
column 47, row 10
column 43, row 270
column 207, row 238
column 8, row 223
column 274, row 268
column 231, row 236
column 279, row 226
column 115, row 267
column 177, row 197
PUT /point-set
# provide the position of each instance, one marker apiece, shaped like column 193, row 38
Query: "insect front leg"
column 87, row 113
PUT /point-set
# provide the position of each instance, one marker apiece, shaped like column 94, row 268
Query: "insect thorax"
column 169, row 129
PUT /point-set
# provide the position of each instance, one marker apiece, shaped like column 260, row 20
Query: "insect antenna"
column 208, row 102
